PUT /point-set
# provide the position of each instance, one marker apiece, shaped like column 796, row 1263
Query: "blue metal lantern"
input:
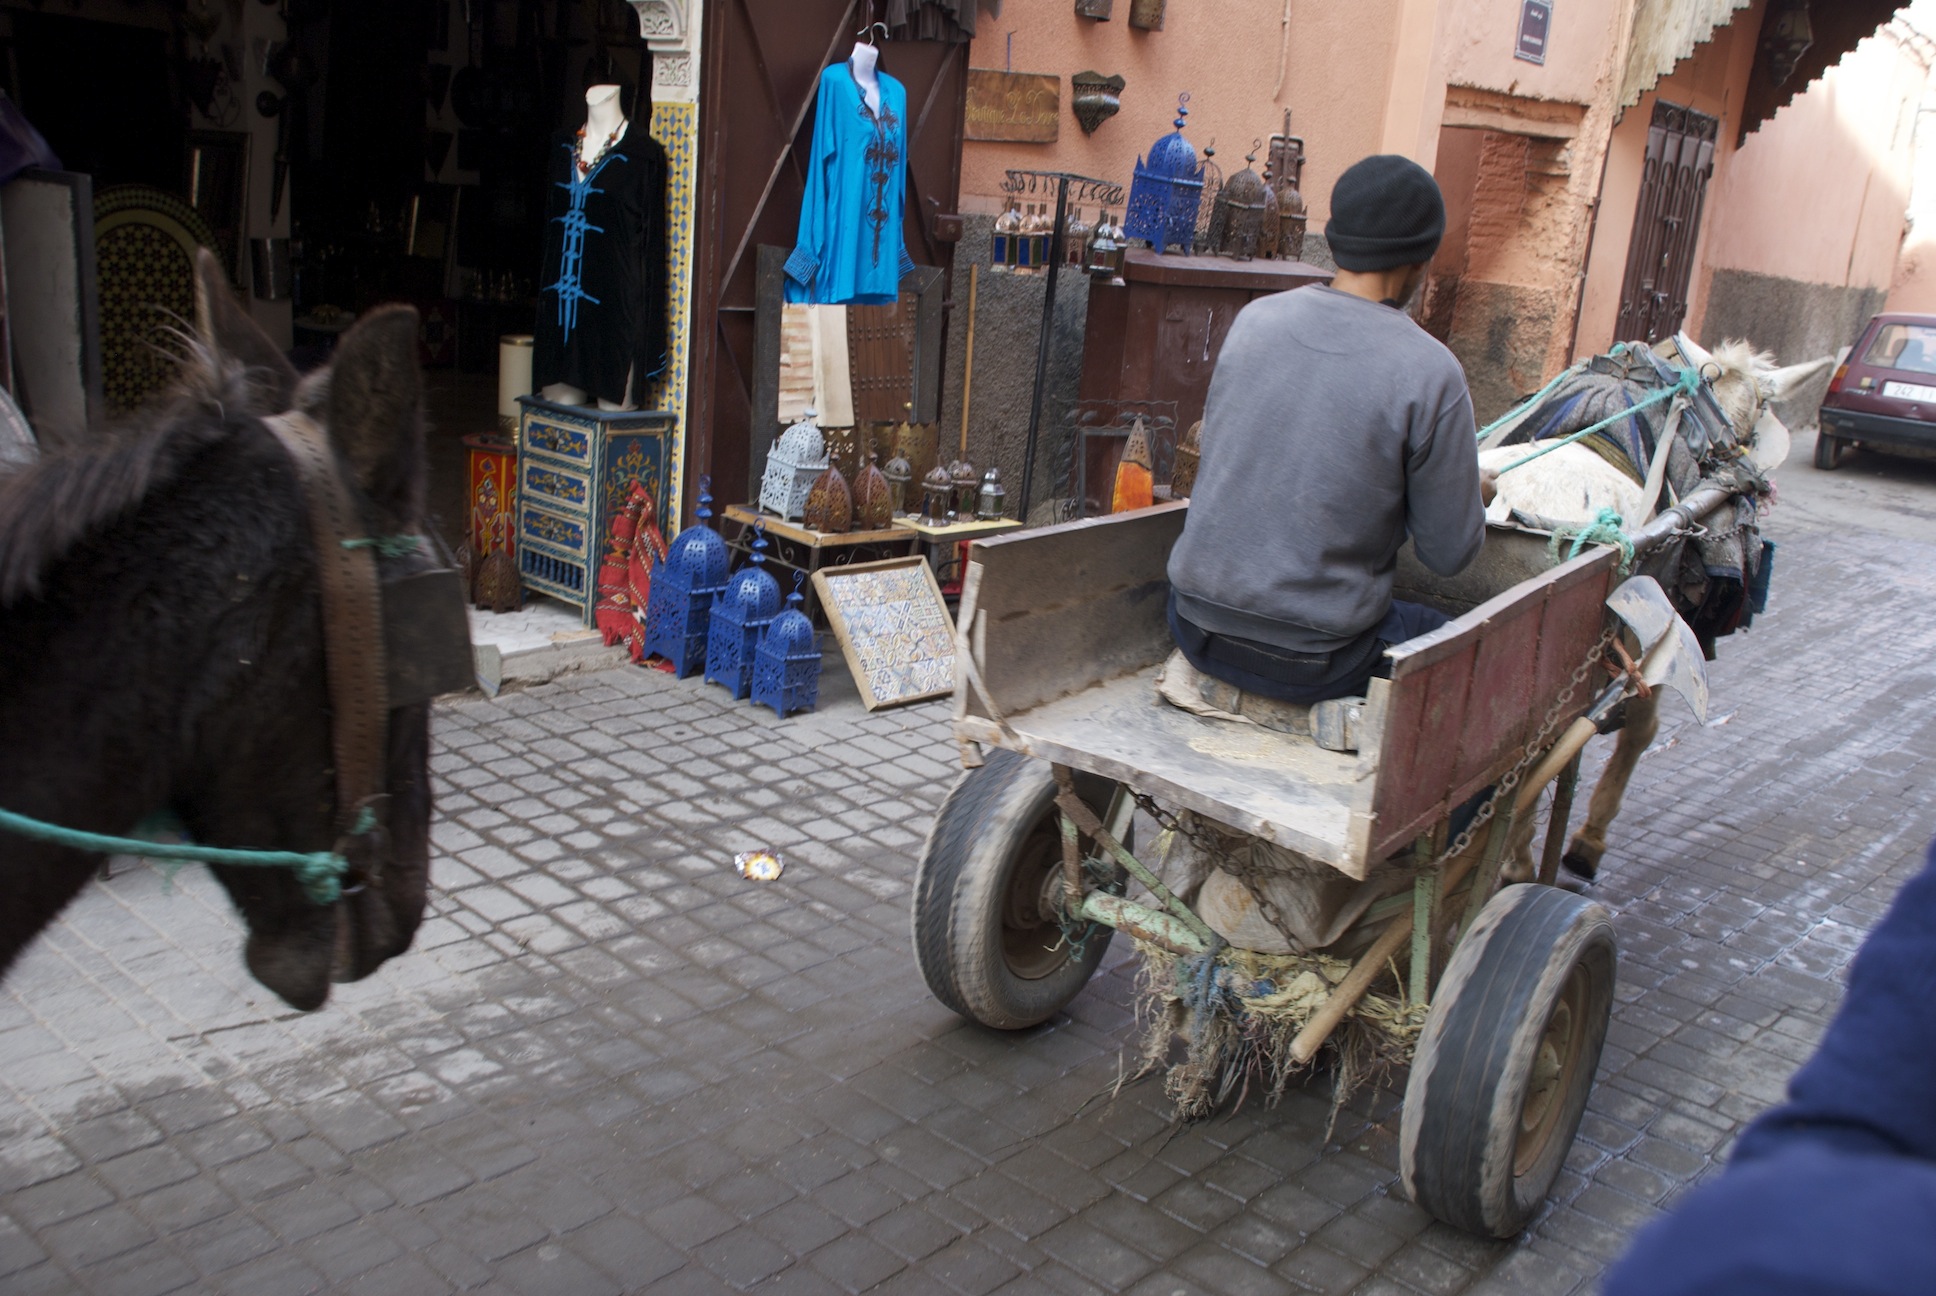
column 786, row 665
column 679, row 608
column 1167, row 191
column 744, row 608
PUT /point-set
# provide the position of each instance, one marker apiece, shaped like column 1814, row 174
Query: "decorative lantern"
column 1075, row 238
column 744, row 608
column 994, row 497
column 1245, row 223
column 1147, row 14
column 1166, row 191
column 965, row 482
column 1207, row 203
column 1786, row 35
column 830, row 504
column 1287, row 172
column 1095, row 98
column 899, row 472
column 799, row 456
column 1005, row 248
column 935, row 489
column 1106, row 249
column 873, row 502
column 1189, row 453
column 1040, row 238
column 786, row 663
column 679, row 607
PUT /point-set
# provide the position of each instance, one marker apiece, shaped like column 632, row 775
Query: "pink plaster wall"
column 1584, row 45
column 1225, row 53
column 1818, row 193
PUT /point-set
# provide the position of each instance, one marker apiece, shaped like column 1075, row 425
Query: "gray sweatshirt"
column 1334, row 427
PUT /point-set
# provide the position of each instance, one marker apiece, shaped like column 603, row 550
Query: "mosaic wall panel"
column 676, row 126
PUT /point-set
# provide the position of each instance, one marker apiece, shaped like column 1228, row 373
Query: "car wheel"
column 1828, row 451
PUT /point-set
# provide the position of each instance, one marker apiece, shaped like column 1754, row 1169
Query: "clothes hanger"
column 867, row 33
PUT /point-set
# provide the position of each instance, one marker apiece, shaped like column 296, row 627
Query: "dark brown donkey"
column 161, row 641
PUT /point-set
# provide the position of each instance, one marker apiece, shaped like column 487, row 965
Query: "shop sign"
column 1015, row 107
column 1535, row 16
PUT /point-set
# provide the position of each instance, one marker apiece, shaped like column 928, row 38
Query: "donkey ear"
column 374, row 413
column 1785, row 383
column 228, row 331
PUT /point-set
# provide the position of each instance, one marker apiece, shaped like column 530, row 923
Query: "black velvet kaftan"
column 602, row 300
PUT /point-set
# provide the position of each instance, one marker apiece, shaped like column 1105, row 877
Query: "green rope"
column 1607, row 527
column 1532, row 400
column 393, row 546
column 1690, row 381
column 320, row 873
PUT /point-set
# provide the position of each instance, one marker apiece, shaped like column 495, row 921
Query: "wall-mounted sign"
column 1535, row 17
column 1017, row 107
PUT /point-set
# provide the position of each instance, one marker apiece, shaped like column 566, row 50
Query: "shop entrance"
column 763, row 64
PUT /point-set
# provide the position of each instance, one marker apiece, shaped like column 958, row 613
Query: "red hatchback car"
column 1884, row 395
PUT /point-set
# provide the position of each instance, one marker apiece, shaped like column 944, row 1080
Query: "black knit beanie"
column 1386, row 211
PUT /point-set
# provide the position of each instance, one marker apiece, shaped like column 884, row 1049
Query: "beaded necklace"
column 578, row 150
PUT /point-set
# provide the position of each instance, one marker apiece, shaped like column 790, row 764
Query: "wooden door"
column 762, row 67
column 1667, row 222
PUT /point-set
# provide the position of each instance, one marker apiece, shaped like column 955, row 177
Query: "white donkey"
column 1568, row 489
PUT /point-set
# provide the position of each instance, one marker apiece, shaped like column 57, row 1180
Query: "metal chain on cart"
column 1245, row 870
column 1534, row 749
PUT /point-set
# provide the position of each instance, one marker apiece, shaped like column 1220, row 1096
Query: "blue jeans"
column 1272, row 672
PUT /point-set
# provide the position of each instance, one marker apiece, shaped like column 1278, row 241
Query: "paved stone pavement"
column 611, row 1065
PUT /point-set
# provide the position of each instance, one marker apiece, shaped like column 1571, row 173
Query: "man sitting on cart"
column 1335, row 427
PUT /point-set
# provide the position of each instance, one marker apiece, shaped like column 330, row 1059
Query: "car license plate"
column 1908, row 391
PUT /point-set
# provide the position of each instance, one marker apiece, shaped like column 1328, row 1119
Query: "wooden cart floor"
column 1273, row 785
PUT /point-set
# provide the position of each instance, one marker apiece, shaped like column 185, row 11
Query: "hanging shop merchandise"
column 602, row 312
column 851, row 250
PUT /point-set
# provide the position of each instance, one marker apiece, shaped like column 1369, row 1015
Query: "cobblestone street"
column 610, row 1064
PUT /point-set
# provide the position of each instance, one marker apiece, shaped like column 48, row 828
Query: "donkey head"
column 370, row 402
column 1747, row 384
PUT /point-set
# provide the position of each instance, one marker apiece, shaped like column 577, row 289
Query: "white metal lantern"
column 799, row 456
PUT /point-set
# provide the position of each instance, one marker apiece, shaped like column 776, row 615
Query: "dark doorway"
column 1667, row 222
column 763, row 64
column 104, row 96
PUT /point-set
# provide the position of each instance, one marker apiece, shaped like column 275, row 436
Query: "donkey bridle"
column 353, row 645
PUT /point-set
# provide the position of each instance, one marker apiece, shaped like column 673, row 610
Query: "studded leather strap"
column 352, row 620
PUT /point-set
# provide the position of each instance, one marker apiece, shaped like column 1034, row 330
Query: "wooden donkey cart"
column 1410, row 949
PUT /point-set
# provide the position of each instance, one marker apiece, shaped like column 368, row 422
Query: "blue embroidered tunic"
column 851, row 248
column 601, row 323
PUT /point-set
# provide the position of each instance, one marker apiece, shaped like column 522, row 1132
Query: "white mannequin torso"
column 602, row 118
column 863, row 63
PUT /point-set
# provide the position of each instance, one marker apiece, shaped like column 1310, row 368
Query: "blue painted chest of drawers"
column 575, row 467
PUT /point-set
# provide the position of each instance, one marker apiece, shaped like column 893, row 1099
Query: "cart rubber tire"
column 1503, row 1069
column 1828, row 451
column 998, row 822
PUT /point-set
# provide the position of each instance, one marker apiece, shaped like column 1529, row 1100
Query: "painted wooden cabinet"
column 575, row 467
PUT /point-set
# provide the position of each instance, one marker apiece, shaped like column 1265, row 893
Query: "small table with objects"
column 946, row 544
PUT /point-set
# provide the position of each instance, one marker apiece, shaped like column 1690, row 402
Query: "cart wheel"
column 1828, row 451
column 987, row 896
column 1503, row 1069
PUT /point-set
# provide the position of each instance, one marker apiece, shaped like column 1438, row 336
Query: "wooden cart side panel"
column 1503, row 670
column 1432, row 702
column 1063, row 608
column 1506, row 661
